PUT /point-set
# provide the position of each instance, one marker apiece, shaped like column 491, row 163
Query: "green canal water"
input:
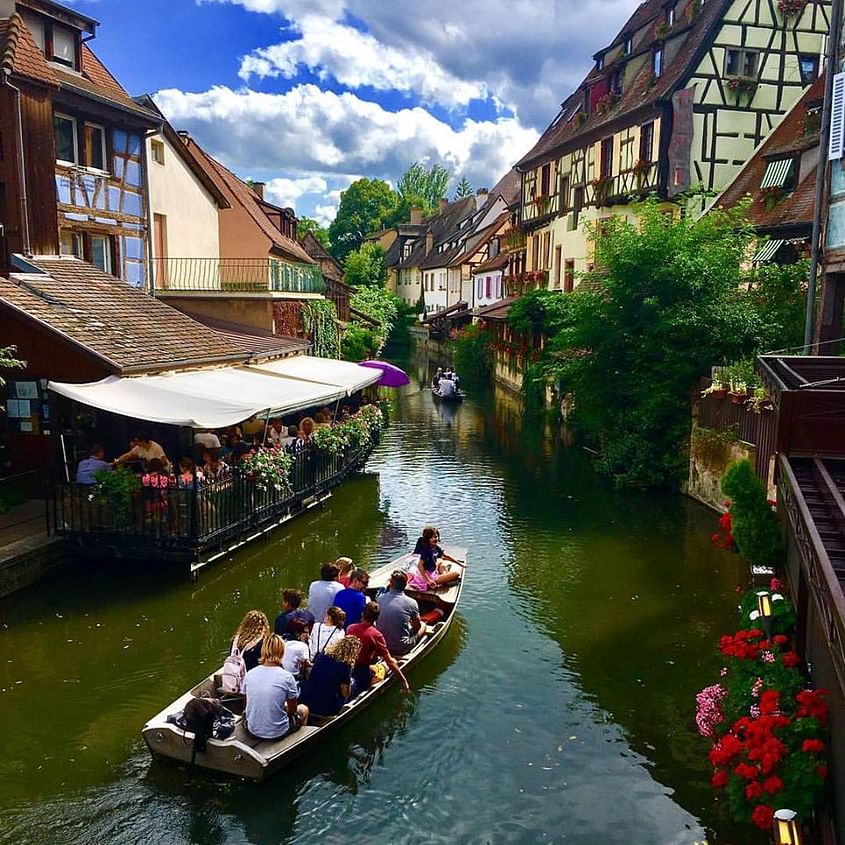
column 559, row 708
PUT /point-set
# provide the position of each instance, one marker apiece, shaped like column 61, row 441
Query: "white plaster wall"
column 192, row 214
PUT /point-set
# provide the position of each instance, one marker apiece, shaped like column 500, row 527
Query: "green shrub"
column 754, row 524
column 473, row 356
column 358, row 343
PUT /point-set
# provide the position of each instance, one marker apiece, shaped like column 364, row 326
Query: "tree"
column 464, row 189
column 380, row 305
column 8, row 360
column 304, row 225
column 364, row 208
column 669, row 298
column 421, row 188
column 365, row 267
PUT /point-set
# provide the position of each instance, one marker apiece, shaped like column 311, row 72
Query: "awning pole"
column 266, row 426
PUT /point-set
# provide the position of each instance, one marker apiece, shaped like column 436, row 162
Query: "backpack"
column 234, row 671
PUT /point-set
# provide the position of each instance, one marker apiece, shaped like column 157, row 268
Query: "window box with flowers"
column 641, row 171
column 601, row 189
column 542, row 205
column 791, row 8
column 606, row 102
column 772, row 196
column 741, row 85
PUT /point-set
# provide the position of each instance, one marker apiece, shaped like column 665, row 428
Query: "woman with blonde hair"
column 330, row 679
column 345, row 566
column 272, row 709
column 306, row 429
column 327, row 632
column 252, row 631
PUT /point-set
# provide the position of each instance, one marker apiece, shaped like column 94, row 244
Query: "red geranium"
column 780, row 639
column 753, row 790
column 763, row 816
column 821, row 771
column 812, row 746
column 719, row 779
column 772, row 785
column 769, row 702
column 746, row 772
column 791, row 659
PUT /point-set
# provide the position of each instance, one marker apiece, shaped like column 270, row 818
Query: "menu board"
column 27, row 406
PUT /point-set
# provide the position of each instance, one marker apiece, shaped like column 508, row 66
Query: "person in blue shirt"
column 352, row 600
column 330, row 680
column 93, row 463
column 291, row 601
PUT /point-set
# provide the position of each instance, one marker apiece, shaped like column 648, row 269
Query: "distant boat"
column 248, row 757
column 457, row 396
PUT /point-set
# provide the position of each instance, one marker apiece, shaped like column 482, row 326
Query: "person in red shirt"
column 373, row 646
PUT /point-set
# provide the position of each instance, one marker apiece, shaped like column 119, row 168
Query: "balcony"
column 236, row 275
column 618, row 189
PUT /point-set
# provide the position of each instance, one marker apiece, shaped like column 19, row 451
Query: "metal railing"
column 190, row 519
column 23, row 498
column 236, row 275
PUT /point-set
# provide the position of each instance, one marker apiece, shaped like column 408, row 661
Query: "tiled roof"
column 252, row 340
column 788, row 137
column 319, row 253
column 497, row 311
column 443, row 225
column 508, row 187
column 122, row 326
column 641, row 93
column 247, row 198
column 481, row 237
column 19, row 54
column 455, row 310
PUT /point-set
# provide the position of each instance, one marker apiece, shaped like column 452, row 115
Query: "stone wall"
column 710, row 453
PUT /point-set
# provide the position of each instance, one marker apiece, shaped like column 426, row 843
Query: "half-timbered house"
column 678, row 100
column 73, row 166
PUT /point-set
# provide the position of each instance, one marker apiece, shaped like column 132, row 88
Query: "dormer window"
column 616, row 82
column 779, row 175
column 60, row 44
column 629, row 45
column 64, row 46
column 657, row 62
column 600, row 62
column 670, row 16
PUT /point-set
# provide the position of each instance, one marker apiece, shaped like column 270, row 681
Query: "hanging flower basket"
column 791, row 8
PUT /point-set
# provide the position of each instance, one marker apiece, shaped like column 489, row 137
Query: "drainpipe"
column 24, row 210
column 831, row 67
column 145, row 169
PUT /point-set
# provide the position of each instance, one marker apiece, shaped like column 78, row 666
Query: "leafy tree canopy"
column 365, row 267
column 464, row 189
column 380, row 305
column 671, row 297
column 308, row 224
column 365, row 207
column 419, row 187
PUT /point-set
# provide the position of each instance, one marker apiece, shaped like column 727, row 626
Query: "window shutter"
column 837, row 118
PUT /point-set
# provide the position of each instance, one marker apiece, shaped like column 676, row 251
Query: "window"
column 94, row 149
column 629, row 45
column 741, row 63
column 616, row 82
column 657, row 62
column 64, row 46
column 647, row 142
column 101, row 252
column 71, row 243
column 809, row 68
column 569, row 275
column 606, row 158
column 600, row 61
column 157, row 155
column 64, row 130
column 545, row 179
column 578, row 203
column 557, row 267
column 564, row 194
column 670, row 16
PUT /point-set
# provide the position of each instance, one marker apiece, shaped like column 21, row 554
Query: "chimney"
column 429, row 241
column 482, row 192
column 416, row 215
column 182, row 133
column 258, row 187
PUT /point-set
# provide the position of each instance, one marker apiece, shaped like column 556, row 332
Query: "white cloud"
column 356, row 59
column 310, row 131
column 286, row 192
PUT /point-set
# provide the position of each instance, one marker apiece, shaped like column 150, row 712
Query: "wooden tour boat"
column 248, row 757
column 457, row 396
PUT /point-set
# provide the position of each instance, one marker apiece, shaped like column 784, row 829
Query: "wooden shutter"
column 837, row 118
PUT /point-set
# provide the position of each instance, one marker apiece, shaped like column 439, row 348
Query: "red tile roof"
column 252, row 340
column 788, row 137
column 492, row 264
column 643, row 93
column 19, row 54
column 497, row 311
column 247, row 198
column 122, row 326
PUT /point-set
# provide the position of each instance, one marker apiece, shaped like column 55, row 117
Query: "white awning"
column 777, row 173
column 351, row 377
column 767, row 252
column 201, row 399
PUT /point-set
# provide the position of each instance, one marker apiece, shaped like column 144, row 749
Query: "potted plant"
column 740, row 85
column 759, row 401
column 738, row 392
column 115, row 491
column 717, row 389
column 641, row 169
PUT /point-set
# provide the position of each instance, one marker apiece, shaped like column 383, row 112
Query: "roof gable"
column 20, row 55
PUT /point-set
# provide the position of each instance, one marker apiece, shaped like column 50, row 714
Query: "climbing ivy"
column 319, row 318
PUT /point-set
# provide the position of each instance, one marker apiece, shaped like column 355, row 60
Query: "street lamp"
column 786, row 828
column 764, row 608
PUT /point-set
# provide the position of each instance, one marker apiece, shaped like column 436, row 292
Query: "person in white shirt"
column 447, row 387
column 297, row 659
column 321, row 593
column 207, row 439
column 328, row 632
column 275, row 433
column 144, row 450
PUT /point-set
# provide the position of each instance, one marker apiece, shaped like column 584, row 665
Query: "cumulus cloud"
column 308, row 130
column 356, row 59
column 286, row 192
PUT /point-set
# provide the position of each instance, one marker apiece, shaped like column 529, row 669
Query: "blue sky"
column 308, row 95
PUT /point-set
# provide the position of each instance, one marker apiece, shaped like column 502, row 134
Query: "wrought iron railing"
column 189, row 519
column 236, row 275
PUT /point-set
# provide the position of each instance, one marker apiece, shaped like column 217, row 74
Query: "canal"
column 559, row 709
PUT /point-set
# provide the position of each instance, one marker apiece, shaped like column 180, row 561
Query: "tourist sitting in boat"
column 446, row 388
column 250, row 636
column 329, row 631
column 143, row 450
column 399, row 616
column 95, row 462
column 344, row 565
column 272, row 709
column 373, row 648
column 330, row 679
column 291, row 610
column 297, row 659
column 321, row 593
column 435, row 382
column 431, row 572
column 352, row 599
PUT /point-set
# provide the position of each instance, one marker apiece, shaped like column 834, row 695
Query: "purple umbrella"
column 391, row 375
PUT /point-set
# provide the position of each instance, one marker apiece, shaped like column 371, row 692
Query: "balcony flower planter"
column 791, row 8
column 741, row 86
column 542, row 205
column 601, row 187
column 772, row 196
column 717, row 390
